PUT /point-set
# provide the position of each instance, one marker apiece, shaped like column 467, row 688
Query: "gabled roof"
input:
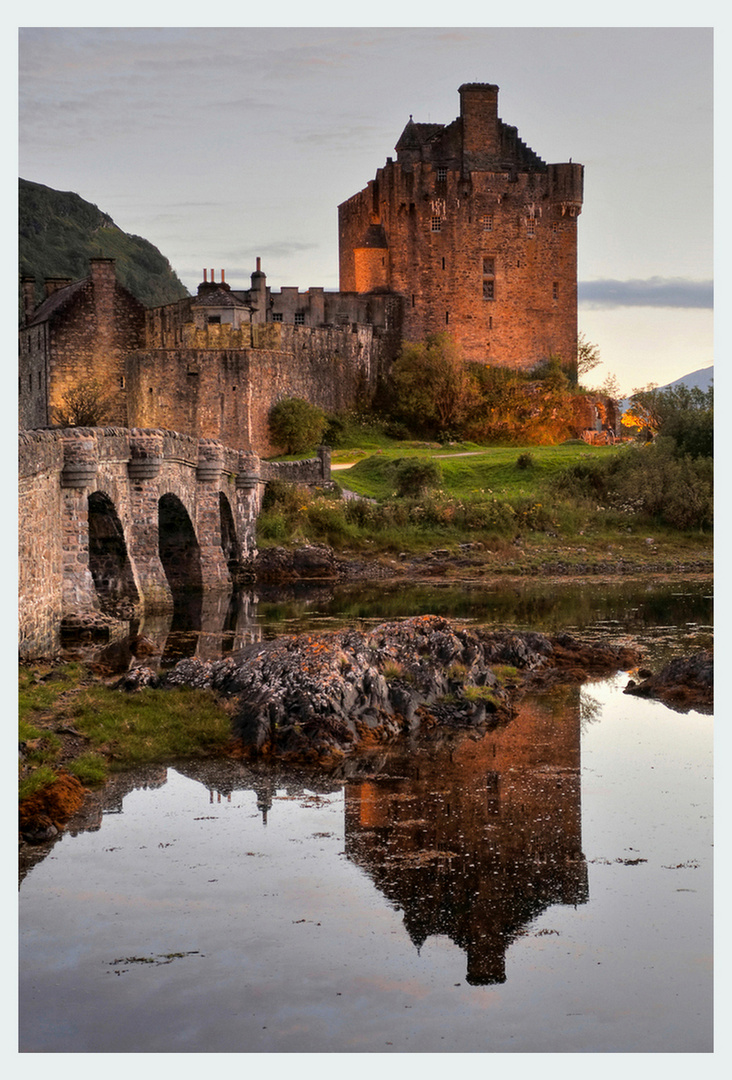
column 56, row 302
column 416, row 135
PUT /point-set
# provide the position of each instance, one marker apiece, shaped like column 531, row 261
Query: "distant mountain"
column 58, row 232
column 702, row 378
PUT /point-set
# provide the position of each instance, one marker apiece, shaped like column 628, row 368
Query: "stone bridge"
column 115, row 519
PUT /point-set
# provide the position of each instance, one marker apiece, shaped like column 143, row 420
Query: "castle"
column 468, row 232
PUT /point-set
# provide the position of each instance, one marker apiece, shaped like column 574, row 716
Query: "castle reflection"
column 475, row 840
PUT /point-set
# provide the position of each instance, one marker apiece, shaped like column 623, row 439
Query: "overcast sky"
column 223, row 144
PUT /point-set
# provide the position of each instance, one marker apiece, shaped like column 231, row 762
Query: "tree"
column 85, row 405
column 588, row 356
column 432, row 385
column 682, row 413
column 296, row 425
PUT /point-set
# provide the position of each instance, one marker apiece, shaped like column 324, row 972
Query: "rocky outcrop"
column 685, row 683
column 314, row 697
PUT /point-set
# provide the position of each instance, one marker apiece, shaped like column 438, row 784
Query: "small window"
column 214, row 320
column 436, row 223
column 531, row 226
column 443, row 262
column 441, row 174
column 555, row 290
column 555, row 228
column 299, row 318
column 276, row 316
column 486, row 223
column 447, row 317
column 489, row 277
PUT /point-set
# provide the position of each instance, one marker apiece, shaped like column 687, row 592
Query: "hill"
column 702, row 378
column 58, row 232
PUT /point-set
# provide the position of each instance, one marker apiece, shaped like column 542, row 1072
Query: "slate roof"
column 56, row 302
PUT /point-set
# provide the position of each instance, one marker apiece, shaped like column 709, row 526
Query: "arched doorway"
column 109, row 562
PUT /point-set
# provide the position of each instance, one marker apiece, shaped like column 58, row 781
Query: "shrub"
column 525, row 461
column 87, row 404
column 296, row 425
column 416, row 475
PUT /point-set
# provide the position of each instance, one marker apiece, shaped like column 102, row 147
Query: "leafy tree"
column 551, row 372
column 588, row 356
column 682, row 413
column 432, row 385
column 296, row 425
column 87, row 404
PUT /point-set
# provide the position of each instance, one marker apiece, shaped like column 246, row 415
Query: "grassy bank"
column 571, row 502
column 70, row 722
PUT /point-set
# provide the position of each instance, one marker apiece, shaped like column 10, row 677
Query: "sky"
column 221, row 144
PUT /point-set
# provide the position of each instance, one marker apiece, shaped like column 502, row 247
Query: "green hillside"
column 58, row 232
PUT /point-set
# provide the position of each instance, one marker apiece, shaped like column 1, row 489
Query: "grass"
column 470, row 470
column 69, row 720
column 150, row 725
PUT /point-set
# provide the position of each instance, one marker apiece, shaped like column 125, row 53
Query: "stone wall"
column 226, row 394
column 40, row 463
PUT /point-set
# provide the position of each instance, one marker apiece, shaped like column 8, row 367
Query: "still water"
column 545, row 887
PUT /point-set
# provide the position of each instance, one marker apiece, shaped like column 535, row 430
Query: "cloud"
column 648, row 292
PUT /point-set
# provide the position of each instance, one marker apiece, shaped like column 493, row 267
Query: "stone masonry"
column 170, row 508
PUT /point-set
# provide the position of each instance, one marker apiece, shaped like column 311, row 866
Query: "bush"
column 416, row 475
column 525, row 461
column 296, row 425
column 85, row 405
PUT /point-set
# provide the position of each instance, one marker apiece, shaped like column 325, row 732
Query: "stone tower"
column 476, row 233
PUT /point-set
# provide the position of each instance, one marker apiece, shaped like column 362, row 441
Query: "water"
column 546, row 887
column 663, row 616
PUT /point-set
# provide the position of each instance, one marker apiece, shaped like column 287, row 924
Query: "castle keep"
column 476, row 233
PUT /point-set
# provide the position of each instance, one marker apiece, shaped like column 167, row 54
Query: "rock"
column 314, row 696
column 685, row 683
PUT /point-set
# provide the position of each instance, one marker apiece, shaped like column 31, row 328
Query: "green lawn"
column 471, row 470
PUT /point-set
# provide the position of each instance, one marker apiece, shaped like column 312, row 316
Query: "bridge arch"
column 178, row 546
column 109, row 561
column 229, row 541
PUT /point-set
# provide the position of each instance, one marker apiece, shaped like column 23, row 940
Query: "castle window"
column 555, row 228
column 299, row 318
column 530, row 226
column 436, row 223
column 214, row 319
column 555, row 290
column 486, row 223
column 447, row 317
column 489, row 277
column 443, row 263
column 276, row 316
column 441, row 173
